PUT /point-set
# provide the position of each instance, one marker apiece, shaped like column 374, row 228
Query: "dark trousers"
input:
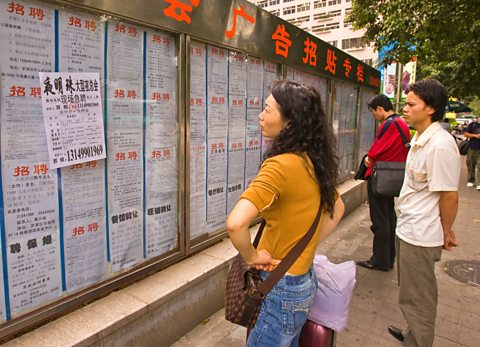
column 384, row 222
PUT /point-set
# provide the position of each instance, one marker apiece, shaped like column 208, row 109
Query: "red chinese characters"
column 374, row 82
column 90, row 25
column 36, row 92
column 282, row 41
column 92, row 227
column 78, row 231
column 41, row 169
column 217, row 100
column 161, row 40
column 75, row 21
column 17, row 91
column 119, row 94
column 331, row 64
column 119, row 156
column 348, row 67
column 16, row 8
column 238, row 12
column 158, row 154
column 179, row 10
column 310, row 50
column 131, row 94
column 90, row 164
column 21, row 171
column 119, row 27
column 35, row 13
column 360, row 76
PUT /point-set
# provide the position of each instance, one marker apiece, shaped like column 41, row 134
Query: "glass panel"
column 344, row 122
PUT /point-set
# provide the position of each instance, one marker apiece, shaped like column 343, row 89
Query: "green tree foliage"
column 443, row 34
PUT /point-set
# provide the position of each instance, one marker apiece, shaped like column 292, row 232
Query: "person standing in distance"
column 473, row 156
column 388, row 146
column 427, row 208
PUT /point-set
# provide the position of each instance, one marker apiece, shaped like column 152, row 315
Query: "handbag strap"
column 289, row 259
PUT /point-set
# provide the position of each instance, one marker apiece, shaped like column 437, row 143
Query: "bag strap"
column 289, row 259
column 259, row 233
column 404, row 138
column 384, row 129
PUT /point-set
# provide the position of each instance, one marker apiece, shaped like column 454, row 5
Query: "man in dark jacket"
column 473, row 156
column 388, row 146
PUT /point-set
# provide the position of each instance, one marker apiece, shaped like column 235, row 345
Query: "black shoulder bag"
column 387, row 176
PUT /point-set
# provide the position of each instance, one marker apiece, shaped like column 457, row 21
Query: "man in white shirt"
column 427, row 208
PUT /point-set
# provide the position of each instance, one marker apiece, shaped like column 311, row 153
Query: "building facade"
column 326, row 19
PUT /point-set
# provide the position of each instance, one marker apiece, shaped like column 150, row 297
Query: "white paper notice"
column 198, row 139
column 269, row 76
column 81, row 49
column 81, row 42
column 236, row 128
column 217, row 137
column 161, row 138
column 29, row 184
column 84, row 224
column 125, row 144
column 72, row 112
column 32, row 234
column 254, row 107
column 2, row 291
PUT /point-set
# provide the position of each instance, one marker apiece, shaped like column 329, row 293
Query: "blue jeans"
column 284, row 311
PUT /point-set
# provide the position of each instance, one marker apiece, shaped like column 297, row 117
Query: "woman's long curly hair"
column 307, row 130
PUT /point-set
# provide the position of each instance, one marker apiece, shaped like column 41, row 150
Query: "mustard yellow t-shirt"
column 287, row 195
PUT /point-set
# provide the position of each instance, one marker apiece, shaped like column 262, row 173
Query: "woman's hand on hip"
column 262, row 260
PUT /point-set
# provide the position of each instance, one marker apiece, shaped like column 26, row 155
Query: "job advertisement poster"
column 217, row 122
column 29, row 184
column 81, row 42
column 254, row 108
column 81, row 49
column 84, row 224
column 198, row 139
column 161, row 138
column 125, row 144
column 237, row 84
column 2, row 291
column 270, row 75
column 72, row 113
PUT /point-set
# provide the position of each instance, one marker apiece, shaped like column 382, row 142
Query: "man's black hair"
column 433, row 94
column 380, row 100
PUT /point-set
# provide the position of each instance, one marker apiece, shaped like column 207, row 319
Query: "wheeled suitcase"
column 316, row 335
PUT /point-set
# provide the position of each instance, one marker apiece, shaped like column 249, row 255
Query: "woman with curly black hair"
column 298, row 175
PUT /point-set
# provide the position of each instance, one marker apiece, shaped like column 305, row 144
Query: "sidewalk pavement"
column 374, row 304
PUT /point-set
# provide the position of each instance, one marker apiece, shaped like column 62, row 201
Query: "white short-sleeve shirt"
column 433, row 166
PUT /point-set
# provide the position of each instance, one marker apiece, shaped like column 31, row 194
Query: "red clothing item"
column 388, row 144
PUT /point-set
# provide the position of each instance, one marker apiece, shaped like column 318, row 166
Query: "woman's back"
column 287, row 195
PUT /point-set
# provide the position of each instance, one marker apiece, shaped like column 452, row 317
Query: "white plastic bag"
column 335, row 289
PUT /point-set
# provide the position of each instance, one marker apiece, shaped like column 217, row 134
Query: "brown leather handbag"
column 245, row 288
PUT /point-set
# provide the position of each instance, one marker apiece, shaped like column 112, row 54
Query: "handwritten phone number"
column 84, row 152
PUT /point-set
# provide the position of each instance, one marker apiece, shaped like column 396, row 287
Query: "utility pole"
column 398, row 93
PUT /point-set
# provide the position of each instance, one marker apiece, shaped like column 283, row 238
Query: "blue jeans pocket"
column 294, row 314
